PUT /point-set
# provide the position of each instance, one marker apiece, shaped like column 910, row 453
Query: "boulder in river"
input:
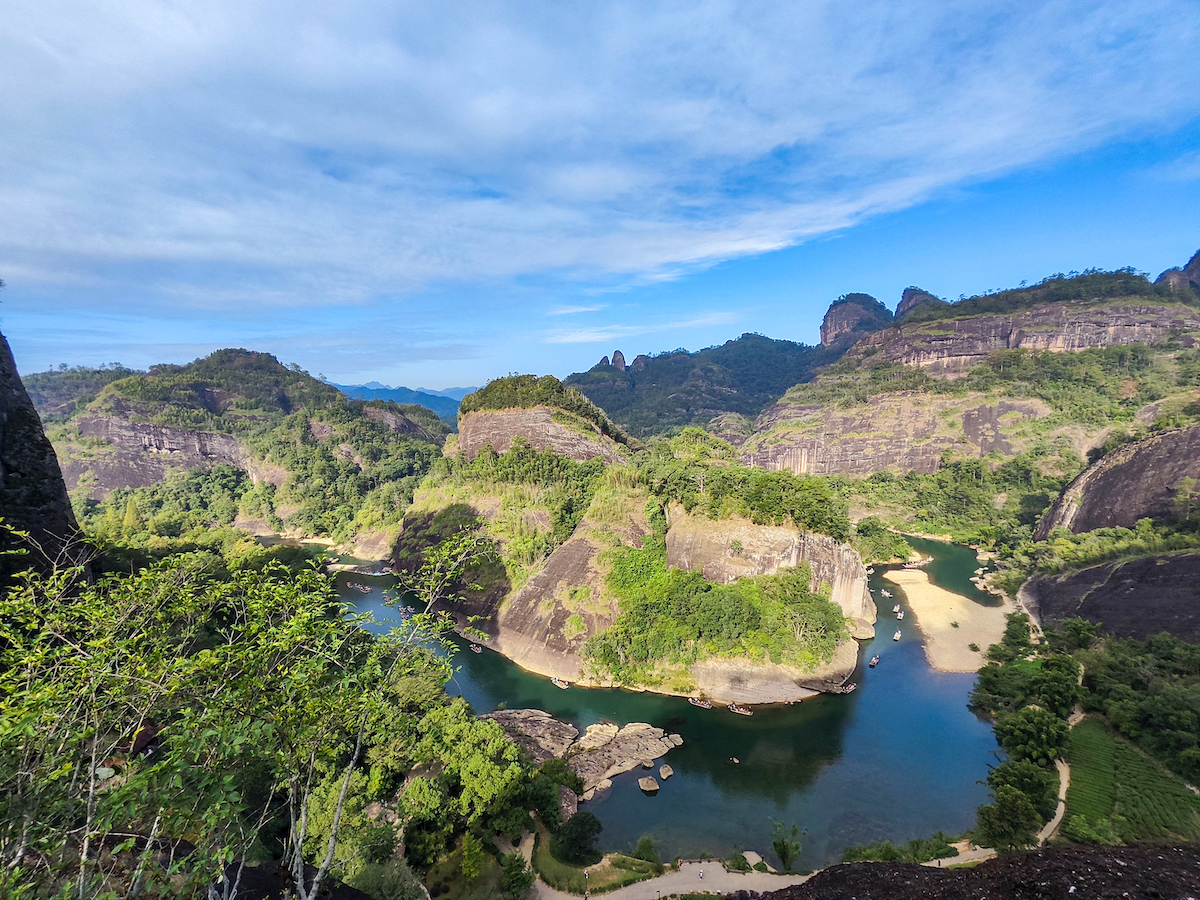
column 648, row 784
column 665, row 771
column 538, row 732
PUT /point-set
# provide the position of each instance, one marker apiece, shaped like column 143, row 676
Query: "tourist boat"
column 703, row 704
column 886, row 593
column 874, row 661
column 900, row 615
column 363, row 589
column 896, row 608
column 559, row 683
column 476, row 649
column 916, row 564
column 896, row 636
column 849, row 688
column 734, row 760
column 870, row 571
column 740, row 710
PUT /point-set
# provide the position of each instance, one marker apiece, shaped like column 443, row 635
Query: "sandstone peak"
column 639, row 362
column 912, row 296
column 618, row 360
column 853, row 313
column 1188, row 277
column 603, row 362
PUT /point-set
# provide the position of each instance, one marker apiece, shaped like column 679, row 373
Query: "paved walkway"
column 1064, row 782
column 716, row 880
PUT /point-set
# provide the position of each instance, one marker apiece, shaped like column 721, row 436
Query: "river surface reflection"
column 901, row 757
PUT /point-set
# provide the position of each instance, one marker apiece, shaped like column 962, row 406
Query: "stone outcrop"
column 1137, row 598
column 544, row 736
column 912, row 298
column 604, row 752
column 33, row 496
column 906, row 431
column 853, row 314
column 394, row 421
column 611, row 752
column 139, row 454
column 538, row 426
column 1137, row 481
column 725, row 550
column 618, row 361
column 952, row 345
column 1185, row 279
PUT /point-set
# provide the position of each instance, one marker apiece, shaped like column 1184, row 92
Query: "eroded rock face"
column 728, row 549
column 1138, row 598
column 544, row 736
column 393, row 421
column 1185, row 279
column 536, row 426
column 1140, row 480
column 618, row 361
column 912, row 297
column 954, row 345
column 33, row 496
column 853, row 314
column 140, row 454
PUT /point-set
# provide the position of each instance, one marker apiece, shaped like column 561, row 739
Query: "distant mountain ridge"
column 444, row 402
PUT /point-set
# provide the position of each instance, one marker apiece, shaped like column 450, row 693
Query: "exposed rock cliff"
column 905, row 431
column 725, row 550
column 117, row 453
column 1137, row 598
column 542, row 427
column 399, row 423
column 952, row 345
column 1185, row 279
column 912, row 298
column 853, row 314
column 1140, row 480
column 33, row 497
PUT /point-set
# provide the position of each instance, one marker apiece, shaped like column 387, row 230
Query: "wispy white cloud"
column 613, row 332
column 573, row 310
column 207, row 155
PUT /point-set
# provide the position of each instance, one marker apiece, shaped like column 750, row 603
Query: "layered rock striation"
column 542, row 427
column 952, row 345
column 33, row 496
column 1145, row 479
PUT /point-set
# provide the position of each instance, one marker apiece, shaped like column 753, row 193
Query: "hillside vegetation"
column 526, row 391
column 320, row 464
column 661, row 393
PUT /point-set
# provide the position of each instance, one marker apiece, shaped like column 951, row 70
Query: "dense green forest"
column 670, row 390
column 60, row 392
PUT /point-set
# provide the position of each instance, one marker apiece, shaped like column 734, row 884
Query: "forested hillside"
column 234, row 439
column 656, row 394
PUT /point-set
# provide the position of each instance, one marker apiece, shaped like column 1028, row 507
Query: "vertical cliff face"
column 33, row 497
column 725, row 550
column 1140, row 480
column 853, row 314
column 1185, row 279
column 542, row 427
column 912, row 298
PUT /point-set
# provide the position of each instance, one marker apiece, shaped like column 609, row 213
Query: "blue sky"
column 437, row 194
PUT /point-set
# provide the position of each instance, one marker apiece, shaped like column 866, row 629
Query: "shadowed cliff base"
column 1169, row 873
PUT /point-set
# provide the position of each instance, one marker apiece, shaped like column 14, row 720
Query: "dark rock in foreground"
column 33, row 496
column 1138, row 598
column 1168, row 873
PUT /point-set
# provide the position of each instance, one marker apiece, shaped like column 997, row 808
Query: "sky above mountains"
column 442, row 193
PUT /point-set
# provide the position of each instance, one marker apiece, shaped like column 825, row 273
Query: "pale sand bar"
column 934, row 608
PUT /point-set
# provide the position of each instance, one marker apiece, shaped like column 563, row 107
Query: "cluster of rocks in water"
column 603, row 752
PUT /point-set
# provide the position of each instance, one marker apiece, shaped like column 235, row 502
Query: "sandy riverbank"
column 935, row 608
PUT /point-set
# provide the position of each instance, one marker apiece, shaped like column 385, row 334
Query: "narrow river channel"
column 901, row 757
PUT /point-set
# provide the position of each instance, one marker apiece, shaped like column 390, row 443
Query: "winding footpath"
column 717, row 880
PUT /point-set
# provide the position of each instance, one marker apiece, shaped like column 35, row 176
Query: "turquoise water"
column 901, row 757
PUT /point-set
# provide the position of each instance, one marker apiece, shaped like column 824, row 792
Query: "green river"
column 901, row 757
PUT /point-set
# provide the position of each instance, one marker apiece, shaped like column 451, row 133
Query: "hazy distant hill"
column 444, row 403
column 654, row 394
